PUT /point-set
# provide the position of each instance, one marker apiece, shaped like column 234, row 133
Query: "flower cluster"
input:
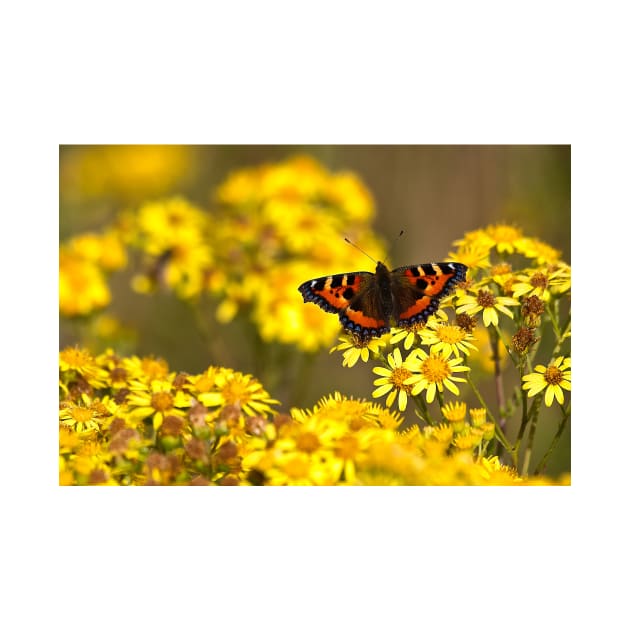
column 132, row 421
column 269, row 228
column 84, row 263
column 507, row 308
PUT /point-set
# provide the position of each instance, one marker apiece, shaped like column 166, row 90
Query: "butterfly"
column 368, row 304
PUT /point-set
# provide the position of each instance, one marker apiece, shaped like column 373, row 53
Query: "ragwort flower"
column 552, row 379
column 435, row 372
column 355, row 348
column 393, row 380
column 485, row 301
column 447, row 338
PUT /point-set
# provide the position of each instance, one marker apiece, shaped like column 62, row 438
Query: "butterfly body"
column 368, row 304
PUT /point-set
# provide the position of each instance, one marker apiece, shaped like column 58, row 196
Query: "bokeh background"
column 434, row 193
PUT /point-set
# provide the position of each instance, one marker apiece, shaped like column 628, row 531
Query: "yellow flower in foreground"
column 415, row 331
column 447, row 338
column 79, row 361
column 454, row 411
column 553, row 379
column 81, row 419
column 241, row 390
column 393, row 380
column 156, row 400
column 435, row 373
column 487, row 302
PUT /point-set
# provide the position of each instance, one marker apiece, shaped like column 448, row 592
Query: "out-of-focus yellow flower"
column 174, row 236
column 82, row 286
column 281, row 315
column 105, row 250
column 129, row 173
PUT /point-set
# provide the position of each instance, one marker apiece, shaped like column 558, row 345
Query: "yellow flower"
column 281, row 315
column 435, row 373
column 174, row 235
column 552, row 378
column 541, row 252
column 478, row 416
column 454, row 411
column 127, row 172
column 393, row 380
column 145, row 369
column 219, row 387
column 350, row 194
column 79, row 361
column 415, row 331
column 105, row 250
column 542, row 282
column 447, row 338
column 505, row 238
column 155, row 401
column 355, row 348
column 474, row 254
column 81, row 419
column 82, row 286
column 486, row 301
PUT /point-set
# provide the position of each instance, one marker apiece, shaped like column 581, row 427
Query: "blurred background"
column 434, row 193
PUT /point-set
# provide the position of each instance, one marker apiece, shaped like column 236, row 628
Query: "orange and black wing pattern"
column 369, row 303
column 418, row 289
column 354, row 297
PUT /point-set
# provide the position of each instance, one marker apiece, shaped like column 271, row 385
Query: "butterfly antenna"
column 399, row 235
column 345, row 238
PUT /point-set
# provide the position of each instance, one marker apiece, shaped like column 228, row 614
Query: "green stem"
column 423, row 412
column 528, row 450
column 535, row 408
column 524, row 414
column 498, row 432
column 498, row 376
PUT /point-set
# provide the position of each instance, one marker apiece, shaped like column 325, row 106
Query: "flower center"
column 553, row 375
column 398, row 378
column 347, row 447
column 485, row 299
column 81, row 414
column 76, row 358
column 450, row 334
column 308, row 442
column 435, row 369
column 533, row 305
column 501, row 269
column 161, row 401
column 539, row 280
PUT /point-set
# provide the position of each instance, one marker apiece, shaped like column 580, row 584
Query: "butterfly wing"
column 418, row 289
column 354, row 297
